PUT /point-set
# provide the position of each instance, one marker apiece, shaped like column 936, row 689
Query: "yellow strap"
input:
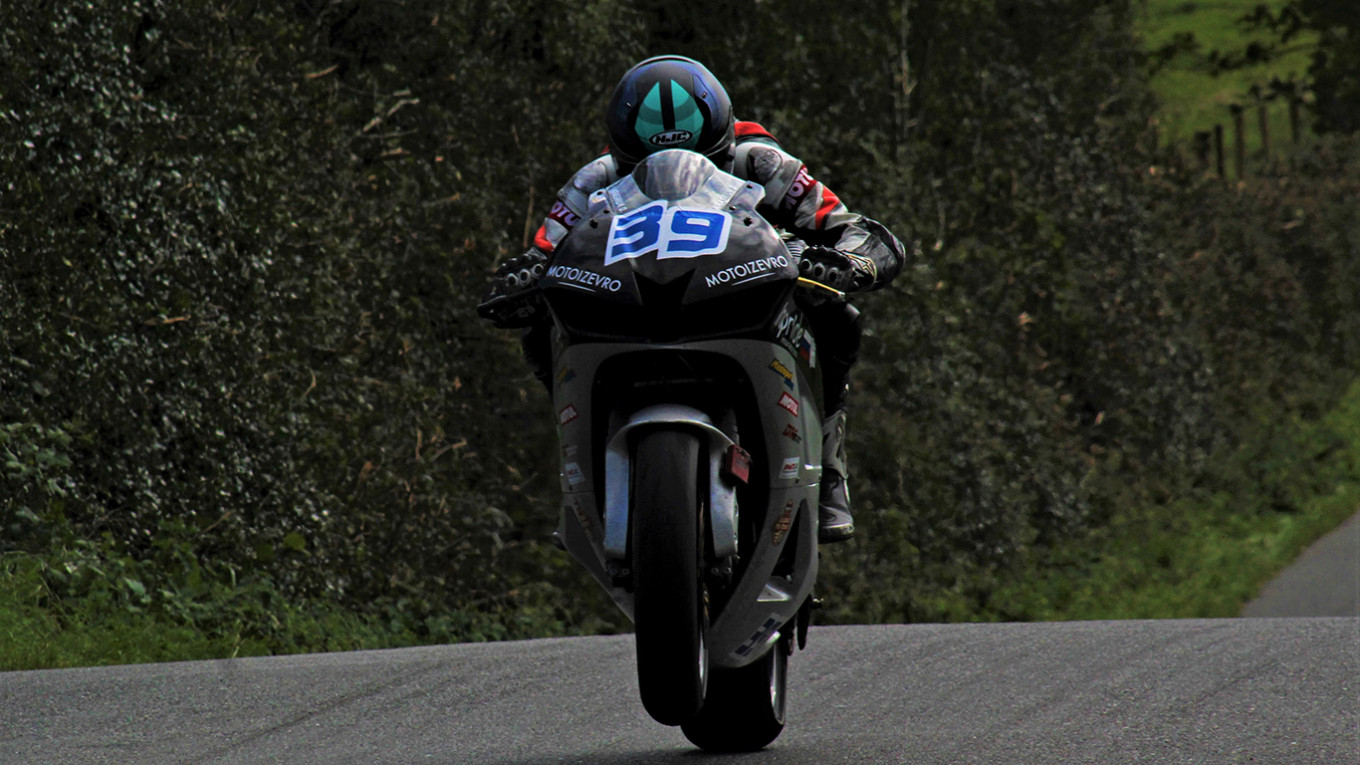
column 819, row 285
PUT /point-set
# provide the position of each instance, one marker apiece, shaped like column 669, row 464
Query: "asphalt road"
column 1193, row 691
column 1324, row 581
column 1282, row 690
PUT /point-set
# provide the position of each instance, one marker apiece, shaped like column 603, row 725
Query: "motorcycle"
column 688, row 402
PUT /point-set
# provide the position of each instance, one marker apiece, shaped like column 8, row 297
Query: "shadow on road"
column 775, row 755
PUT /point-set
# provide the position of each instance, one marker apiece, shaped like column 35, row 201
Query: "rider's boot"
column 834, row 522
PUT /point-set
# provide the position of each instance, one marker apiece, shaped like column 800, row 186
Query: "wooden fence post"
column 1263, row 124
column 1240, row 142
column 1203, row 144
column 1218, row 150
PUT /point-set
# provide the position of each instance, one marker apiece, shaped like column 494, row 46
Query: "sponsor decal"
column 567, row 414
column 582, row 518
column 669, row 117
column 789, row 469
column 792, row 333
column 802, row 186
column 807, row 349
column 790, row 403
column 566, row 375
column 670, row 232
column 667, row 138
column 569, row 451
column 574, row 474
column 563, row 214
column 585, row 278
column 790, row 328
column 758, row 637
column 783, row 372
column 783, row 523
column 792, row 434
column 755, row 269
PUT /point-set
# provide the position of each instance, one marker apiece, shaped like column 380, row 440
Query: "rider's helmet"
column 670, row 102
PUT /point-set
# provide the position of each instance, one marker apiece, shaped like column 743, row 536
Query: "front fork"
column 722, row 493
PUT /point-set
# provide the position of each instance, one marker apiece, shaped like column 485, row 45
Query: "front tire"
column 745, row 707
column 670, row 616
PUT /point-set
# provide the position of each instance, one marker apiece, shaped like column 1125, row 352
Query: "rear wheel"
column 670, row 616
column 745, row 707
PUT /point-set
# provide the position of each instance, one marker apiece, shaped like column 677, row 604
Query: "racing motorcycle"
column 688, row 402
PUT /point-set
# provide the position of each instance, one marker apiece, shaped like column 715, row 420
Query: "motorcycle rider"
column 670, row 102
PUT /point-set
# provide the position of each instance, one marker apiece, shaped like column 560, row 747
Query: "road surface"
column 1193, row 691
column 1324, row 581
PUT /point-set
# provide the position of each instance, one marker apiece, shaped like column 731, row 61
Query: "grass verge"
column 42, row 630
column 1207, row 552
column 86, row 607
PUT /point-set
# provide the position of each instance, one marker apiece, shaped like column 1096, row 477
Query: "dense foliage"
column 1332, row 76
column 241, row 243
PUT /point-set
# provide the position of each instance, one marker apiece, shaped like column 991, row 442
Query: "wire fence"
column 1211, row 149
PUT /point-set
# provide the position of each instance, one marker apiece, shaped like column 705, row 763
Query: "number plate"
column 670, row 232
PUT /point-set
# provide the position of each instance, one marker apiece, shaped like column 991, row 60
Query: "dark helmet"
column 670, row 102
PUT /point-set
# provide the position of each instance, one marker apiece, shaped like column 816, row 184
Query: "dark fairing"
column 673, row 252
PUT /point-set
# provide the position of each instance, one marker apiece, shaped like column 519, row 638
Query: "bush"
column 240, row 250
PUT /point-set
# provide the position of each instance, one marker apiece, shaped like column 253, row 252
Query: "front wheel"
column 670, row 615
column 745, row 707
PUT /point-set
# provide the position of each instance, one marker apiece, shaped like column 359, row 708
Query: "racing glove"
column 513, row 300
column 837, row 268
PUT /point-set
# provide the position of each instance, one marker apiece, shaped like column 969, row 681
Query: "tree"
column 1334, row 76
column 1336, row 64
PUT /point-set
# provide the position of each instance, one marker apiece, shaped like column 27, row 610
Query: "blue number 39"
column 673, row 232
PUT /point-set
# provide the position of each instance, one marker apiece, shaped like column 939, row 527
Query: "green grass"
column 86, row 606
column 41, row 629
column 1208, row 552
column 1193, row 98
column 34, row 637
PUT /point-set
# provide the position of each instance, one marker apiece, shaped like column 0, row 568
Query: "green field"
column 1194, row 97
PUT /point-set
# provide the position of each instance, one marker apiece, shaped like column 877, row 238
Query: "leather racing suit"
column 794, row 201
column 869, row 256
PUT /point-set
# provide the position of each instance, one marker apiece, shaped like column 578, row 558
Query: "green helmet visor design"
column 669, row 118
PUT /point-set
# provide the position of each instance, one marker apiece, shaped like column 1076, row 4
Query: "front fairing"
column 675, row 251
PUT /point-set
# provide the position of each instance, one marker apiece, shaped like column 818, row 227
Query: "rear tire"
column 670, row 616
column 745, row 707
